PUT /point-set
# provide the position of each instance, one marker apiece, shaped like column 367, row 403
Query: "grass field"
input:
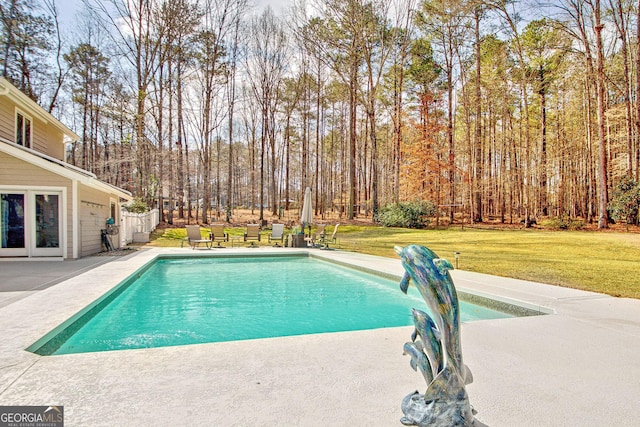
column 607, row 262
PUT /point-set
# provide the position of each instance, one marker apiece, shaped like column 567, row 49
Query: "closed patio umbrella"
column 306, row 216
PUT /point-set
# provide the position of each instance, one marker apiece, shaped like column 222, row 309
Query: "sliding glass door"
column 12, row 224
column 30, row 223
column 47, row 225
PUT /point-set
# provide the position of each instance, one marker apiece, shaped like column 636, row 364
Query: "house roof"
column 28, row 104
column 60, row 168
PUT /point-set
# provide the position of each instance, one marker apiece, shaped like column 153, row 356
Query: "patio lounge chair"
column 218, row 234
column 277, row 233
column 317, row 236
column 320, row 232
column 195, row 238
column 252, row 233
column 325, row 240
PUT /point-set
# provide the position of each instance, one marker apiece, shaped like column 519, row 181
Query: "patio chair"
column 325, row 240
column 320, row 232
column 195, row 237
column 277, row 233
column 317, row 236
column 218, row 234
column 252, row 233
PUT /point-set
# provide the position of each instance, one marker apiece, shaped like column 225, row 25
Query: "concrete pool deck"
column 578, row 366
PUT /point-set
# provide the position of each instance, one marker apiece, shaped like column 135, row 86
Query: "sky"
column 68, row 8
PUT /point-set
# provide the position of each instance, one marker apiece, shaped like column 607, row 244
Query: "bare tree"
column 603, row 199
column 60, row 73
column 26, row 35
column 89, row 69
column 232, row 61
column 445, row 20
column 619, row 12
column 133, row 32
column 266, row 64
column 404, row 26
column 338, row 34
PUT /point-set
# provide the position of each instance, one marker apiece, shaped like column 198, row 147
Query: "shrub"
column 562, row 223
column 406, row 214
column 137, row 205
column 625, row 201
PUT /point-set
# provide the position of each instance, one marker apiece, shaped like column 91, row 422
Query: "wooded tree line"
column 473, row 105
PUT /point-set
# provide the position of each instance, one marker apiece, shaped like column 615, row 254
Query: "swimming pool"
column 181, row 301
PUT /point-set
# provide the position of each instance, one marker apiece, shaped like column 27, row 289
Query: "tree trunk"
column 450, row 139
column 318, row 153
column 170, row 149
column 180, row 166
column 263, row 137
column 603, row 221
column 543, row 154
column 287, row 148
column 353, row 101
column 160, row 153
column 637, row 122
column 398, row 77
column 477, row 140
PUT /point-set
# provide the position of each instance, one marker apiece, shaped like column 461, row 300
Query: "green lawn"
column 605, row 262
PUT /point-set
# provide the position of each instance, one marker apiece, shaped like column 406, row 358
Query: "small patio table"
column 235, row 239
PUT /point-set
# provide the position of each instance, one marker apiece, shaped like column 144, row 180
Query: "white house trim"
column 75, row 235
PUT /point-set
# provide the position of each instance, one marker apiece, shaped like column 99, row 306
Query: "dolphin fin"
column 404, row 283
column 468, row 376
column 446, row 384
column 442, row 265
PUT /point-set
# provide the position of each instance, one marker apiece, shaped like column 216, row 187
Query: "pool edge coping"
column 45, row 325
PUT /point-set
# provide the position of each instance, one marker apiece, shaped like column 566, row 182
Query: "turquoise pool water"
column 198, row 300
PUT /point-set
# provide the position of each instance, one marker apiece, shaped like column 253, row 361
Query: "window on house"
column 23, row 130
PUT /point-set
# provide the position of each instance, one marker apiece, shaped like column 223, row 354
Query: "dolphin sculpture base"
column 417, row 412
column 445, row 403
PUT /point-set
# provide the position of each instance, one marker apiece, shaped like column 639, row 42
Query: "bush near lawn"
column 407, row 214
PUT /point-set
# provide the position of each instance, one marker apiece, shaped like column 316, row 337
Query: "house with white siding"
column 48, row 208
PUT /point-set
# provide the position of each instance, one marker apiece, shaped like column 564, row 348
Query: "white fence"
column 137, row 223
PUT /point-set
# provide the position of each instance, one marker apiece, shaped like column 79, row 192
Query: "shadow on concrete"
column 19, row 279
